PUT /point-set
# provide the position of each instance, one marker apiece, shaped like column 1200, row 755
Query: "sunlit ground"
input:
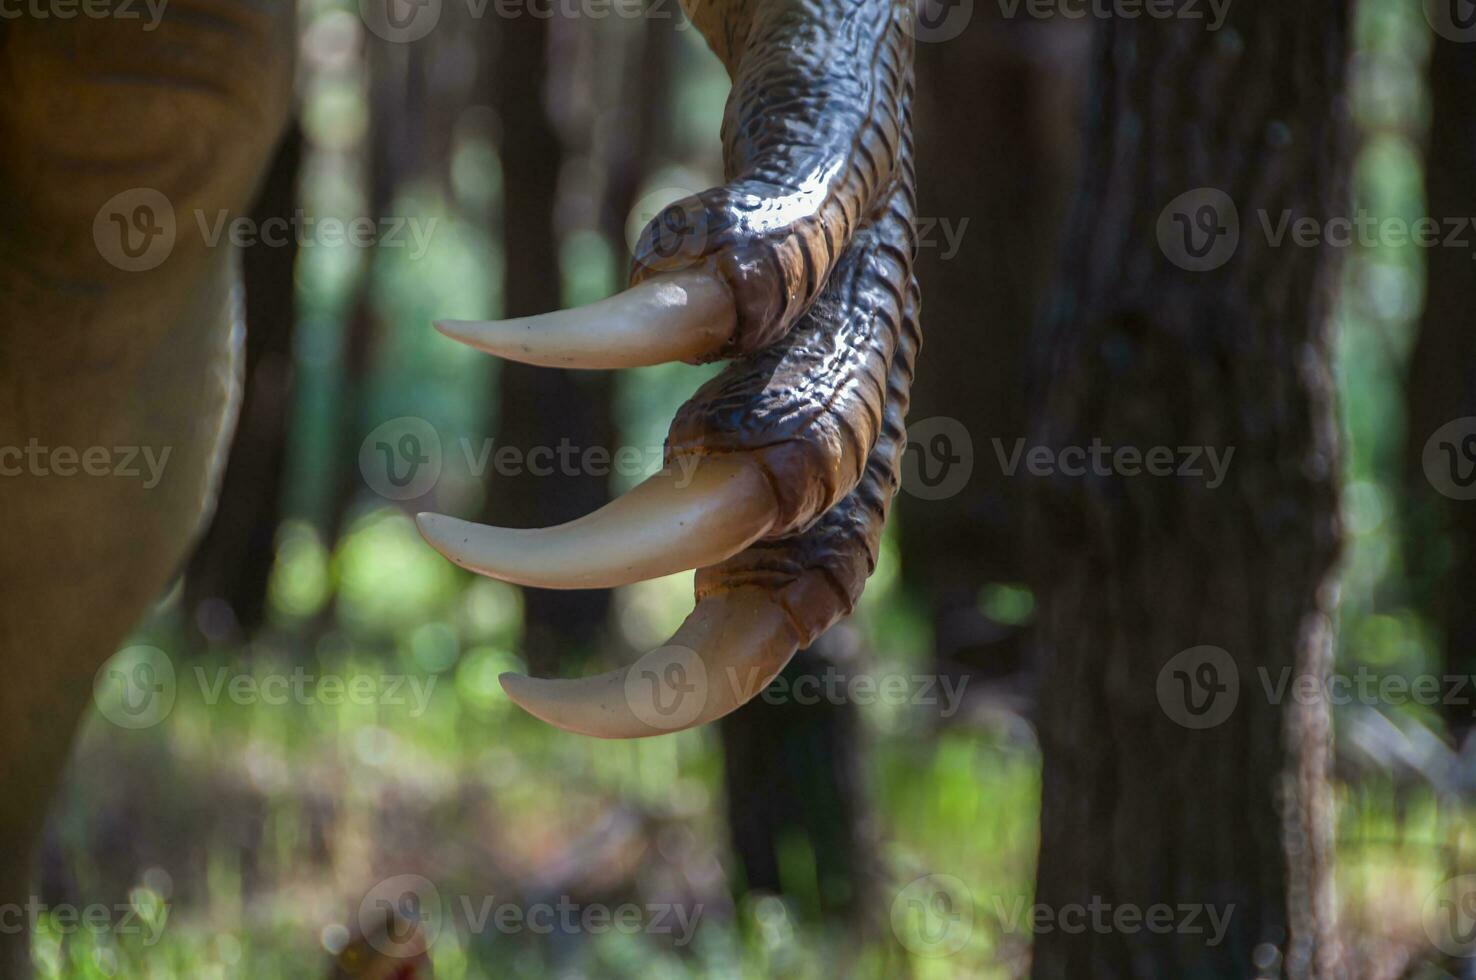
column 262, row 825
column 246, row 825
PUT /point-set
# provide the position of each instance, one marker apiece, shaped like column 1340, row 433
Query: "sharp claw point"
column 725, row 653
column 679, row 316
column 675, row 521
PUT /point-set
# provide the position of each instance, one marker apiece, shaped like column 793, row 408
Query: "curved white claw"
column 678, row 316
column 724, row 654
column 696, row 511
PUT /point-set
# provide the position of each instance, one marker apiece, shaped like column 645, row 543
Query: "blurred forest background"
column 530, row 151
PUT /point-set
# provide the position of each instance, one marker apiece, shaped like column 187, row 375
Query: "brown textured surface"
column 1137, row 809
column 811, row 137
column 845, row 407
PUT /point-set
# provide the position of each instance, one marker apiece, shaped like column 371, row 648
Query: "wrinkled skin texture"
column 810, row 243
column 91, row 355
column 813, row 236
column 819, row 127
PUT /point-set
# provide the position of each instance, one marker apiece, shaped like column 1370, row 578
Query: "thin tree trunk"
column 796, row 806
column 387, row 67
column 1441, row 383
column 1146, row 803
column 541, row 409
column 234, row 559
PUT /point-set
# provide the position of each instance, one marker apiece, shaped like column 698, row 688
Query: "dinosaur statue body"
column 799, row 269
column 100, row 359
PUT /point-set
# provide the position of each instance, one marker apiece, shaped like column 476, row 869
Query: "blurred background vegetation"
column 539, row 147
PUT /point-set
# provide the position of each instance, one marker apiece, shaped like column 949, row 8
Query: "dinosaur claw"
column 694, row 512
column 678, row 316
column 725, row 653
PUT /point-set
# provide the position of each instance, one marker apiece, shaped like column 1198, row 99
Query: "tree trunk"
column 541, row 409
column 792, row 773
column 226, row 582
column 1147, row 803
column 1441, row 385
column 992, row 213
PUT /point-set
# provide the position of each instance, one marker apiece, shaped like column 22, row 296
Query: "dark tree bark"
column 541, row 409
column 1140, row 809
column 234, row 559
column 994, row 178
column 1441, row 382
column 792, row 774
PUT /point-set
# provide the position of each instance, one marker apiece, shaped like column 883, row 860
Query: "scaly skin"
column 796, row 444
column 92, row 355
column 823, row 405
column 811, row 135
